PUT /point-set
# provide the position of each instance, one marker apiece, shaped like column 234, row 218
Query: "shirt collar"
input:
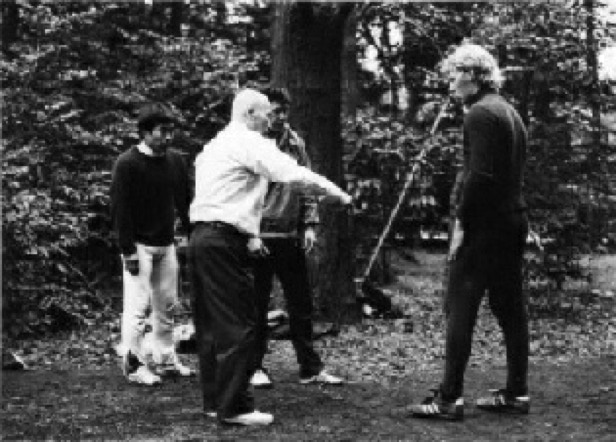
column 479, row 95
column 145, row 149
column 237, row 126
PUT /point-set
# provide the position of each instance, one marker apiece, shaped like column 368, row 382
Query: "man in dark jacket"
column 149, row 184
column 287, row 230
column 489, row 233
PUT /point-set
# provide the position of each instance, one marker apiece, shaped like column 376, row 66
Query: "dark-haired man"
column 287, row 231
column 149, row 184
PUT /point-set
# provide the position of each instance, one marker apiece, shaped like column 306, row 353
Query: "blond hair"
column 477, row 61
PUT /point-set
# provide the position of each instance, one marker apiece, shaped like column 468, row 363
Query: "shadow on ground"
column 575, row 401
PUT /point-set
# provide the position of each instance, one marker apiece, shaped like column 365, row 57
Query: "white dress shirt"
column 232, row 173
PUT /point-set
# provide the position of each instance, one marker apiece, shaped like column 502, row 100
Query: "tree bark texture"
column 307, row 42
column 594, row 98
column 10, row 23
column 350, row 88
column 175, row 22
column 173, row 25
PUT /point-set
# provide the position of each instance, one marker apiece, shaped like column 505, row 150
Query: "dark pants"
column 224, row 311
column 490, row 259
column 287, row 261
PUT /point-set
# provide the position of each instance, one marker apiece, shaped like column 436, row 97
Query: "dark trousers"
column 287, row 261
column 490, row 259
column 224, row 311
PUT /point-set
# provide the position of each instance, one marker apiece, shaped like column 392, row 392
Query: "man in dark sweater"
column 489, row 233
column 149, row 184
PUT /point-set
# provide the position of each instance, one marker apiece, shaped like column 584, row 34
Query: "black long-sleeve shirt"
column 146, row 191
column 495, row 141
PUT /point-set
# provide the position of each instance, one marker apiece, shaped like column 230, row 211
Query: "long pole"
column 407, row 184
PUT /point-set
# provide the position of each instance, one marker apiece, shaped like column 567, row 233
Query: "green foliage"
column 78, row 72
column 69, row 102
column 548, row 58
column 384, row 153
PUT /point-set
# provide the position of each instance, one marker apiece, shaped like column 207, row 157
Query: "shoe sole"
column 135, row 382
column 263, row 386
column 443, row 417
column 175, row 374
column 503, row 410
column 244, row 424
column 311, row 382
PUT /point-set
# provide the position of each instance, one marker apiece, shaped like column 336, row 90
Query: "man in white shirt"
column 231, row 179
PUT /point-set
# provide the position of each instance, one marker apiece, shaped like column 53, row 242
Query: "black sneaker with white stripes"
column 434, row 407
column 501, row 402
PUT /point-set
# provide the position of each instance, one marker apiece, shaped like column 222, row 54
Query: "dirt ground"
column 76, row 391
column 575, row 401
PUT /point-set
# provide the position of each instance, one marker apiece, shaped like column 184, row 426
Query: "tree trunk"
column 307, row 41
column 175, row 23
column 350, row 90
column 158, row 13
column 10, row 23
column 595, row 104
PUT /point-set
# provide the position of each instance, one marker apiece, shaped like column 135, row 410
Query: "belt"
column 221, row 227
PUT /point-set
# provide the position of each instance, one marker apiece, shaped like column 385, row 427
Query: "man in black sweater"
column 489, row 233
column 149, row 184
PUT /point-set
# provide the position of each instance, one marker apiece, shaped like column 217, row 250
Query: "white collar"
column 238, row 126
column 145, row 149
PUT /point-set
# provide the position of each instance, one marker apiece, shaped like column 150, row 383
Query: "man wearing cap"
column 149, row 184
column 232, row 176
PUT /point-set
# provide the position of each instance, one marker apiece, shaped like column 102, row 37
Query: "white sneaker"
column 249, row 419
column 144, row 376
column 322, row 378
column 260, row 379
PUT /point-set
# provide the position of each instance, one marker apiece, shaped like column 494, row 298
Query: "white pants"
column 155, row 287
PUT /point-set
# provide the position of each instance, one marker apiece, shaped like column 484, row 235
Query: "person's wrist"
column 344, row 197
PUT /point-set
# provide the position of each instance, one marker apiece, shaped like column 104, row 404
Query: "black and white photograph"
column 308, row 220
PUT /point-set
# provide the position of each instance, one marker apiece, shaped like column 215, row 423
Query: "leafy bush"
column 69, row 102
column 546, row 61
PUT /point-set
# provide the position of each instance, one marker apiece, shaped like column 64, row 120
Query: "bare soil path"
column 573, row 401
column 76, row 391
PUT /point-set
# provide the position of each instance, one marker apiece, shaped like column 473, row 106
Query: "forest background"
column 74, row 74
column 366, row 89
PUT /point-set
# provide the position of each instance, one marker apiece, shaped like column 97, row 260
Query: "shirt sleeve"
column 183, row 192
column 265, row 159
column 121, row 206
column 480, row 128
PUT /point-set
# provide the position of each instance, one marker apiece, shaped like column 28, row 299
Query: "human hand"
column 342, row 198
column 310, row 239
column 346, row 199
column 457, row 238
column 131, row 264
column 256, row 247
